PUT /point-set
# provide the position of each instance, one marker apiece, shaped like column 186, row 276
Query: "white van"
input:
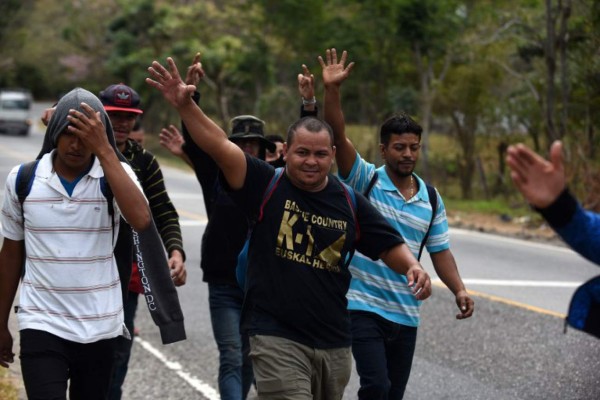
column 14, row 111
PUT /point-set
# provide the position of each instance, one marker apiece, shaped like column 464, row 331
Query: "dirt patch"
column 522, row 228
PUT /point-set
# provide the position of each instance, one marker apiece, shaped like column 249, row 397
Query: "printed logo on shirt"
column 300, row 246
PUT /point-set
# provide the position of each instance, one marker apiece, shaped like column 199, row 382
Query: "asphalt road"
column 514, row 347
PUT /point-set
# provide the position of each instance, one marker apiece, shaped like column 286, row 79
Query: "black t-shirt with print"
column 296, row 278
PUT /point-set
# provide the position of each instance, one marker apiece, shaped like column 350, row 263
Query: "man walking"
column 122, row 104
column 384, row 317
column 70, row 308
column 295, row 306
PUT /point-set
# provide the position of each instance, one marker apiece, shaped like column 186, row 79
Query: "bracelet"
column 309, row 102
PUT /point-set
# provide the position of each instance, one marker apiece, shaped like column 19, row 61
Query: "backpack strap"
column 351, row 198
column 371, row 184
column 24, row 181
column 108, row 194
column 273, row 183
column 433, row 201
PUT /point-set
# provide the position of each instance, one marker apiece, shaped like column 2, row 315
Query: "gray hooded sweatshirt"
column 145, row 246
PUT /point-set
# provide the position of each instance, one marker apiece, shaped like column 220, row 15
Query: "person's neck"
column 406, row 184
column 67, row 173
column 121, row 147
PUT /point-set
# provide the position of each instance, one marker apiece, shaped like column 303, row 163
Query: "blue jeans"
column 235, row 367
column 383, row 352
column 123, row 350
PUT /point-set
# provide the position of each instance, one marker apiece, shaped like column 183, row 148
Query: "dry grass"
column 8, row 391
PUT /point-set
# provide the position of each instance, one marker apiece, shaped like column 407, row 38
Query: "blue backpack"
column 584, row 309
column 242, row 264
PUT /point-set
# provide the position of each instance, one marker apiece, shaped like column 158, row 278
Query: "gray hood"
column 59, row 121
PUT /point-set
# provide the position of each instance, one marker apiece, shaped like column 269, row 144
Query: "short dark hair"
column 311, row 124
column 275, row 138
column 399, row 124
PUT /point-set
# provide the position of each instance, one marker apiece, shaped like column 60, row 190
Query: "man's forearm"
column 10, row 273
column 129, row 196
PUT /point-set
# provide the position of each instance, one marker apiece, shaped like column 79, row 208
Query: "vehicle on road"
column 15, row 106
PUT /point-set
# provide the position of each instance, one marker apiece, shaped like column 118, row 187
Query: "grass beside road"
column 7, row 389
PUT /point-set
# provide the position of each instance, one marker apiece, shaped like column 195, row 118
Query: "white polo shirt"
column 71, row 286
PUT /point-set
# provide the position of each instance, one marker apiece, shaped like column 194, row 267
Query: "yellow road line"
column 509, row 302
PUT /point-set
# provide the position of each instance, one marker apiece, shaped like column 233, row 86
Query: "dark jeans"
column 383, row 352
column 235, row 367
column 123, row 349
column 49, row 362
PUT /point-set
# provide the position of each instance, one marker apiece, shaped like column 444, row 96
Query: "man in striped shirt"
column 122, row 105
column 70, row 306
column 385, row 315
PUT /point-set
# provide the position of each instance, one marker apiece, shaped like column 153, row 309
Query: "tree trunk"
column 550, row 58
column 426, row 106
column 565, row 13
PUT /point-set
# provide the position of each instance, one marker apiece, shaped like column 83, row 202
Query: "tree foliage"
column 471, row 69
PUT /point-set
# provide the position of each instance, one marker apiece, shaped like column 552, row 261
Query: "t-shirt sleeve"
column 134, row 178
column 360, row 175
column 249, row 197
column 11, row 218
column 376, row 234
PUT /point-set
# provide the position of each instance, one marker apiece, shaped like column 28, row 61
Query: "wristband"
column 309, row 102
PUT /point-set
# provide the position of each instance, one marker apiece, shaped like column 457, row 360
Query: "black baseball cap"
column 121, row 97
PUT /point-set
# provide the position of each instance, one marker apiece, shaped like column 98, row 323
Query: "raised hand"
column 171, row 139
column 539, row 180
column 306, row 84
column 334, row 72
column 195, row 73
column 170, row 84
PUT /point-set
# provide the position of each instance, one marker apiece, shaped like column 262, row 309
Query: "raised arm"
column 88, row 126
column 204, row 131
column 306, row 88
column 334, row 73
column 171, row 139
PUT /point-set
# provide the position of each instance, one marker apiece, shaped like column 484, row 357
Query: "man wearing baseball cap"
column 122, row 104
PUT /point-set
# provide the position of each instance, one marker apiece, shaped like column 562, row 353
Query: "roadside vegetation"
column 7, row 389
column 477, row 75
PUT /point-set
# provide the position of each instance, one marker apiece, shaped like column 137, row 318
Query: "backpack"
column 432, row 200
column 123, row 248
column 584, row 309
column 242, row 264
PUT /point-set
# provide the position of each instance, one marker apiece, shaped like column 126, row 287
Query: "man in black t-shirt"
column 295, row 305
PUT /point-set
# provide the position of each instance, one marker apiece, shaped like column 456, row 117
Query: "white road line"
column 191, row 223
column 205, row 389
column 517, row 241
column 506, row 282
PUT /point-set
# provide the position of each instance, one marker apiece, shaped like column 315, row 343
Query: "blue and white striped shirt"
column 375, row 287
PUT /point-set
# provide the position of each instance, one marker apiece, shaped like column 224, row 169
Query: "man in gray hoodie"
column 60, row 240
